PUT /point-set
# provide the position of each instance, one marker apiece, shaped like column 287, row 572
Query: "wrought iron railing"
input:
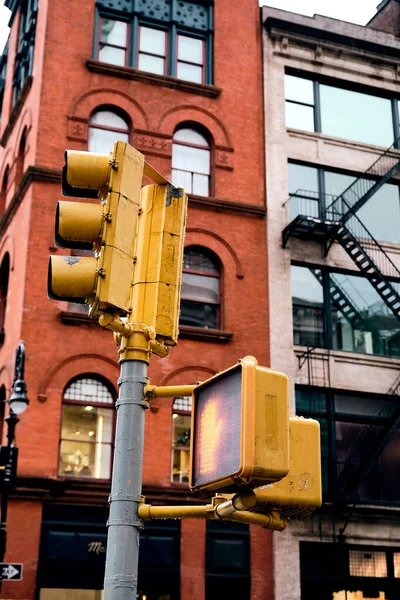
column 307, row 203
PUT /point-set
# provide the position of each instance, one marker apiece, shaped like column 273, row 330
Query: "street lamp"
column 18, row 402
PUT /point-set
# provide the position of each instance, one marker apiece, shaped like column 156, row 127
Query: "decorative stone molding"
column 153, row 143
column 224, row 158
column 77, row 129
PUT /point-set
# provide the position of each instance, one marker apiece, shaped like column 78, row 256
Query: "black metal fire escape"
column 340, row 223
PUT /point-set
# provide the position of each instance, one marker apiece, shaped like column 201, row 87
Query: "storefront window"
column 87, row 430
column 181, row 419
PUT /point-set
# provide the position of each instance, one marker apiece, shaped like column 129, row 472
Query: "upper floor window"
column 181, row 423
column 340, row 112
column 105, row 128
column 175, row 39
column 26, row 44
column 87, row 429
column 201, row 283
column 313, row 189
column 4, row 279
column 3, row 191
column 191, row 164
column 353, row 427
column 343, row 312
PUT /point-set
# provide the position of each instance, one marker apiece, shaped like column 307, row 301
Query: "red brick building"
column 181, row 81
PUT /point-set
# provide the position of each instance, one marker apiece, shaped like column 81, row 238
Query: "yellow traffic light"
column 300, row 492
column 103, row 281
column 240, row 429
column 159, row 252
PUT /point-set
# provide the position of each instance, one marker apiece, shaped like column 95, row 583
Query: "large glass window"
column 343, row 312
column 171, row 40
column 181, row 419
column 87, row 429
column 313, row 189
column 191, row 166
column 339, row 112
column 200, row 295
column 105, row 128
column 353, row 427
column 26, row 44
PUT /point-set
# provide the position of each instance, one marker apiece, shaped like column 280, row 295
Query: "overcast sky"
column 355, row 11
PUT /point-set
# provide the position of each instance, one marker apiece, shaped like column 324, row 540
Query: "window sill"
column 16, row 111
column 76, row 318
column 165, row 80
column 204, row 335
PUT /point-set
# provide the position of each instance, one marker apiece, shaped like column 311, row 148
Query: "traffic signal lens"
column 78, row 225
column 217, row 429
column 71, row 278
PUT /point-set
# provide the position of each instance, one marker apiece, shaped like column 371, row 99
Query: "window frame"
column 137, row 54
column 204, row 55
column 127, row 41
column 332, row 417
column 217, row 262
column 206, row 134
column 184, row 413
column 116, row 111
column 108, row 406
column 318, row 80
column 328, row 306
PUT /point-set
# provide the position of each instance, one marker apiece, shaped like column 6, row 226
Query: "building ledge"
column 76, row 318
column 204, row 335
column 226, row 206
column 347, row 356
column 164, row 80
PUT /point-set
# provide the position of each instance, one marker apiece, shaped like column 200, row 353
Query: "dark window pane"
column 364, row 406
column 309, row 401
column 361, row 321
column 194, row 259
column 308, row 326
column 196, row 314
column 347, row 114
column 299, row 89
column 299, row 116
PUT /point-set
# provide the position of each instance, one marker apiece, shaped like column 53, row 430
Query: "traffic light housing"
column 104, row 280
column 300, row 492
column 159, row 251
column 240, row 429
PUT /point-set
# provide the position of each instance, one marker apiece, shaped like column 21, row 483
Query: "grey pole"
column 122, row 556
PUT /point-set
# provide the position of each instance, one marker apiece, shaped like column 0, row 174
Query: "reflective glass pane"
column 196, row 314
column 189, row 72
column 299, row 89
column 182, row 179
column 108, row 118
column 361, row 321
column 201, row 185
column 299, row 116
column 190, row 136
column 379, row 485
column 195, row 160
column 306, row 286
column 308, row 307
column 114, row 32
column 381, row 214
column 152, row 41
column 86, row 389
column 367, row 564
column 181, row 430
column 151, row 64
column 113, row 56
column 87, row 423
column 195, row 259
column 348, row 115
column 364, row 406
column 337, row 183
column 102, row 140
column 304, row 191
column 200, row 288
column 190, row 49
column 309, row 401
column 180, row 465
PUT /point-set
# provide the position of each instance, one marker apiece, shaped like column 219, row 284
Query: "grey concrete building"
column 332, row 106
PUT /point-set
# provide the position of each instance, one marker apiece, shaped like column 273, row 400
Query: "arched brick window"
column 181, row 419
column 2, row 410
column 3, row 191
column 19, row 167
column 191, row 161
column 107, row 126
column 87, row 428
column 4, row 278
column 201, row 289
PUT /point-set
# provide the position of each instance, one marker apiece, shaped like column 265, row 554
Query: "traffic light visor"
column 78, row 224
column 217, row 429
column 85, row 173
column 71, row 278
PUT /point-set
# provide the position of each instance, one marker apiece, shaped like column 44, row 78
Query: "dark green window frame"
column 175, row 17
column 26, row 46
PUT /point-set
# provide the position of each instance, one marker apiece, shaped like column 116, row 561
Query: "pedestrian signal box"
column 240, row 429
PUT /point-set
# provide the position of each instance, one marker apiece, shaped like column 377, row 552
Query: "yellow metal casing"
column 300, row 492
column 240, row 429
column 159, row 256
column 107, row 228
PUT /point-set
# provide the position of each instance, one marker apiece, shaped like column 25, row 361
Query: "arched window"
column 2, row 410
column 4, row 277
column 3, row 191
column 200, row 296
column 19, row 167
column 87, row 429
column 181, row 410
column 105, row 128
column 191, row 165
